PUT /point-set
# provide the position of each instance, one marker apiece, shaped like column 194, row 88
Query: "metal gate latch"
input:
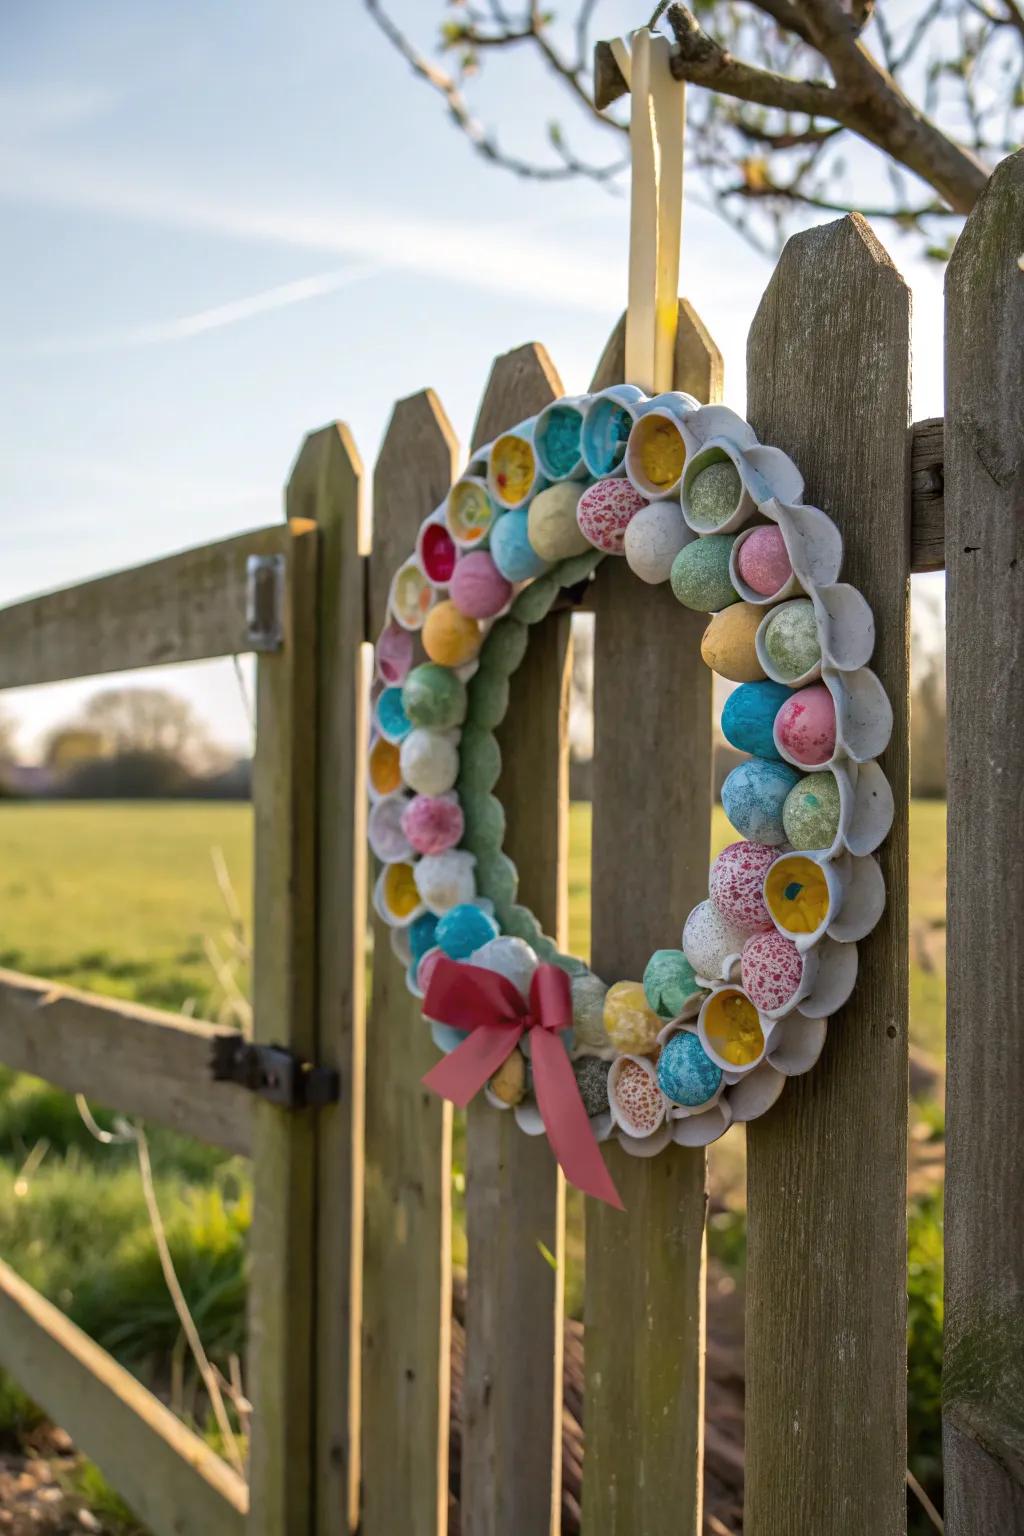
column 264, row 599
column 274, row 1073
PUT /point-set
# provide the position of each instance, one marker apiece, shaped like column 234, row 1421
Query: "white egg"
column 654, row 537
column 429, row 761
column 709, row 939
column 509, row 957
column 445, row 879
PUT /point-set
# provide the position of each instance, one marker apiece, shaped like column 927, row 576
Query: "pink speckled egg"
column 805, row 726
column 762, row 561
column 604, row 513
column 772, row 970
column 477, row 588
column 737, row 876
column 433, row 823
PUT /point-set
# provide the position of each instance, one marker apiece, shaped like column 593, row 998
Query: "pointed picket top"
column 328, row 458
column 521, row 383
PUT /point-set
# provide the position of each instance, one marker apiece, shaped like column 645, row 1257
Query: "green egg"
column 713, row 494
column 791, row 639
column 434, row 697
column 700, row 574
column 669, row 981
column 479, row 761
column 488, row 699
column 810, row 814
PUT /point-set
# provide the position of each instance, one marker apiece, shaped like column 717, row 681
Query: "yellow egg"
column 400, row 894
column 727, row 645
column 629, row 1021
column 733, row 1028
column 509, row 1082
column 796, row 894
column 385, row 769
column 450, row 638
column 553, row 530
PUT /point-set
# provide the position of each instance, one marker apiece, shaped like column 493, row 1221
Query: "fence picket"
column 407, row 1231
column 512, row 1386
column 828, row 381
column 983, row 1379
column 644, row 1349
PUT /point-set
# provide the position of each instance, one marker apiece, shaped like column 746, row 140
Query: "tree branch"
column 703, row 61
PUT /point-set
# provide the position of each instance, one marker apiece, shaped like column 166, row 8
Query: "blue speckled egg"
column 686, row 1074
column 464, row 928
column 391, row 716
column 511, row 550
column 749, row 714
column 753, row 797
column 422, row 936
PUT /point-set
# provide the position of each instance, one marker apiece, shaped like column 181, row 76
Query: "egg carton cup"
column 373, row 794
column 863, row 720
column 733, row 1071
column 866, row 809
column 597, row 443
column 384, row 912
column 675, row 409
column 856, row 897
column 470, row 534
column 755, row 1094
column 410, row 613
column 401, row 948
column 790, row 588
column 716, row 451
column 813, row 542
column 578, row 471
column 521, row 434
column 393, row 654
column 796, row 1044
column 388, row 842
column 688, row 1111
column 437, row 519
column 624, row 1124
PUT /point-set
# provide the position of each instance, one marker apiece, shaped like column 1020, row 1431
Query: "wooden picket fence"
column 351, row 1283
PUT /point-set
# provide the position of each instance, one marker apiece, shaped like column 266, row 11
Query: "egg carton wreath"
column 687, row 495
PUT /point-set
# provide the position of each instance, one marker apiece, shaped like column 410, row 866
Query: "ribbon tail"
column 462, row 1074
column 569, row 1131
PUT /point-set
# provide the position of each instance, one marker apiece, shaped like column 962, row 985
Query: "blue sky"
column 224, row 225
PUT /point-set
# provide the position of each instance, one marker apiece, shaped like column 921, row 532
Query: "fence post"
column 515, row 1196
column 407, row 1253
column 644, row 1341
column 983, row 1378
column 326, row 485
column 828, row 372
column 284, row 994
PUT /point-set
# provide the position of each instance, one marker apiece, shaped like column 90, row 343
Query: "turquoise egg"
column 753, row 797
column 422, row 937
column 463, row 929
column 669, row 981
column 391, row 716
column 686, row 1074
column 511, row 550
column 749, row 715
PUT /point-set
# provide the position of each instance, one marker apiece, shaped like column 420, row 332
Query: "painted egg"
column 508, row 957
column 588, row 995
column 445, row 879
column 591, row 1075
column 735, row 885
column 604, row 513
column 762, row 561
column 506, row 645
column 669, row 982
column 557, row 440
column 551, row 522
column 731, row 1029
column 728, row 644
column 629, row 1022
column 393, row 653
column 437, row 553
column 487, row 699
column 714, row 493
column 470, row 512
column 463, row 929
column 791, row 641
column 429, row 761
column 384, row 830
column 686, row 1073
column 654, row 538
column 384, row 767
column 748, row 717
column 411, row 596
column 606, row 430
column 709, row 939
column 480, row 760
column 427, row 966
column 812, row 811
column 434, row 697
column 805, row 727
column 477, row 588
column 398, row 899
column 422, row 936
column 392, row 720
column 450, row 637
column 772, row 971
column 656, row 453
column 797, row 895
column 511, row 550
column 700, row 574
column 509, row 1082
column 433, row 823
column 753, row 798
column 512, row 469
column 638, row 1101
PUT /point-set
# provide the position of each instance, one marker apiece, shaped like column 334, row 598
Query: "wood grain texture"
column 123, row 1056
column 644, row 1303
column 698, row 363
column 184, row 608
column 512, row 1385
column 407, row 1259
column 983, row 1382
column 284, row 999
column 326, row 486
column 828, row 382
column 927, row 512
column 173, row 1481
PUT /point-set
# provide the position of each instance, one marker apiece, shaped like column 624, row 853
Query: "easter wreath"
column 708, row 1037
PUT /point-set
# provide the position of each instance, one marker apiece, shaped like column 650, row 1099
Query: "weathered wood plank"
column 284, row 993
column 512, row 1385
column 645, row 1269
column 407, row 1257
column 186, row 607
column 169, row 1476
column 983, row 1379
column 828, row 381
column 927, row 514
column 123, row 1056
column 326, row 485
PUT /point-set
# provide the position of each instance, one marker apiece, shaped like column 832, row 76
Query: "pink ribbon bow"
column 491, row 1008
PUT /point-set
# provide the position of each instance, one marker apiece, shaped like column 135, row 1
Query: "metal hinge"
column 274, row 1073
column 264, row 601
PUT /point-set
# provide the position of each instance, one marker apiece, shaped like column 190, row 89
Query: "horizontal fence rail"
column 123, row 1056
